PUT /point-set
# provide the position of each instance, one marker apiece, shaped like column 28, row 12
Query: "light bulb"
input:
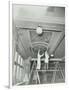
column 39, row 30
column 52, row 55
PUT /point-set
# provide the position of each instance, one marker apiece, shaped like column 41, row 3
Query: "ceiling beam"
column 31, row 25
column 46, row 19
column 44, row 30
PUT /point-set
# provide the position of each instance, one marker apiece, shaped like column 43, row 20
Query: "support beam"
column 44, row 30
column 62, row 72
column 15, row 67
column 49, row 70
column 15, row 79
column 50, row 23
column 34, row 63
column 21, row 69
column 18, row 69
column 54, row 73
column 38, row 78
column 51, row 59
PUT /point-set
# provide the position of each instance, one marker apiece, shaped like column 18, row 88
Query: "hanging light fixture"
column 52, row 55
column 39, row 30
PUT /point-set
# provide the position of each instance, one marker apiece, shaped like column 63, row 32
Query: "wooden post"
column 54, row 73
column 61, row 72
column 23, row 71
column 38, row 78
column 31, row 71
column 18, row 69
column 16, row 59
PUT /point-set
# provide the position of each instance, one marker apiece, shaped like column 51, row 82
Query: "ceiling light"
column 39, row 30
column 52, row 55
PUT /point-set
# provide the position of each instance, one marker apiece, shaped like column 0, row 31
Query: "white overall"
column 46, row 59
column 39, row 60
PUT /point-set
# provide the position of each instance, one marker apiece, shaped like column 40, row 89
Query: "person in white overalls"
column 46, row 59
column 39, row 59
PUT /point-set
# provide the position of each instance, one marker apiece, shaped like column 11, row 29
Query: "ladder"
column 36, row 72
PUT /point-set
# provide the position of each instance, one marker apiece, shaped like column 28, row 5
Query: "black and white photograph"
column 38, row 44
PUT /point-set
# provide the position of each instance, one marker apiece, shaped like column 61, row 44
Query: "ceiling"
column 32, row 11
column 26, row 18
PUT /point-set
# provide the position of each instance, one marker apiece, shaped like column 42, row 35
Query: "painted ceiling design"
column 45, row 37
column 26, row 20
column 29, row 42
